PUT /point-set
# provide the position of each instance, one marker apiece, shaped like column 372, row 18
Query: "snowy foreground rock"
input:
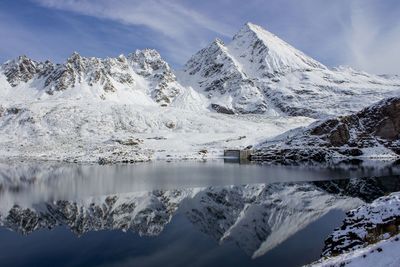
column 373, row 132
column 136, row 108
column 369, row 236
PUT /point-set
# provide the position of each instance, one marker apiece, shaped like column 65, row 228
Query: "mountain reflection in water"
column 257, row 216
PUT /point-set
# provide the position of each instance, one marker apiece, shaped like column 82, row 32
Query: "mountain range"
column 90, row 108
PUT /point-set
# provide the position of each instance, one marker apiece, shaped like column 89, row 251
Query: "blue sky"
column 364, row 34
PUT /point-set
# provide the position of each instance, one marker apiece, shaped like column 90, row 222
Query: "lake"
column 179, row 213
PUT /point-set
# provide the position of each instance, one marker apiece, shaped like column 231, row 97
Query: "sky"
column 363, row 34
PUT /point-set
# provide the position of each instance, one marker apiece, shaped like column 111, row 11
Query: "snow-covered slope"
column 85, row 130
column 215, row 73
column 382, row 254
column 115, row 109
column 259, row 73
column 261, row 52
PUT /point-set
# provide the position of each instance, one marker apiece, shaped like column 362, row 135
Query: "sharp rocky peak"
column 23, row 69
column 263, row 52
column 146, row 54
column 147, row 61
column 210, row 60
column 75, row 56
column 107, row 74
column 254, row 52
column 217, row 44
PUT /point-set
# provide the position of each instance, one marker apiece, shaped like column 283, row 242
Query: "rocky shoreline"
column 374, row 132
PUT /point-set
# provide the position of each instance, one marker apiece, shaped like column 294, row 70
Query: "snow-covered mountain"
column 137, row 108
column 259, row 73
column 141, row 74
column 255, row 73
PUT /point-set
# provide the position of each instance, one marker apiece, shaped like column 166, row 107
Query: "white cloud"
column 373, row 42
column 181, row 27
column 358, row 33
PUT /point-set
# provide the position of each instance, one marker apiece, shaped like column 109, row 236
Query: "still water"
column 178, row 214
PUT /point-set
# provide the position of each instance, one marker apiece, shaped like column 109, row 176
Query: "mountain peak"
column 21, row 69
column 267, row 53
column 148, row 61
column 74, row 56
column 23, row 58
column 146, row 54
column 218, row 42
column 252, row 27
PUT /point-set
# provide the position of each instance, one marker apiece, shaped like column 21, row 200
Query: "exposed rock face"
column 366, row 225
column 148, row 63
column 215, row 73
column 222, row 109
column 383, row 120
column 23, row 69
column 375, row 127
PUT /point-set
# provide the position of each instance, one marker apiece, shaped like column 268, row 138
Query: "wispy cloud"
column 179, row 27
column 364, row 34
column 373, row 39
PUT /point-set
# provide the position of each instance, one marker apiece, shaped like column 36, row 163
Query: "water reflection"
column 257, row 212
column 47, row 181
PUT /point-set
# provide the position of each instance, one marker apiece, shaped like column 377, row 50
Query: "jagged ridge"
column 142, row 70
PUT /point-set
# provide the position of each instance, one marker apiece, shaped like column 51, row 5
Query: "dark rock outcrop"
column 23, row 69
column 377, row 126
column 222, row 109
